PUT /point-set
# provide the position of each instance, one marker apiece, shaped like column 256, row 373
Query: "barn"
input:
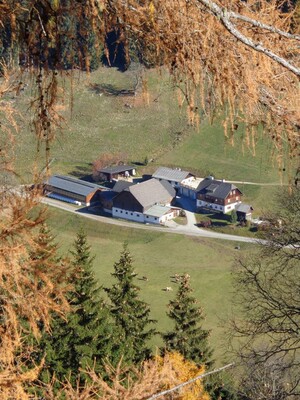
column 72, row 190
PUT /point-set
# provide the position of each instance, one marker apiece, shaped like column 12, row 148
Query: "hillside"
column 159, row 256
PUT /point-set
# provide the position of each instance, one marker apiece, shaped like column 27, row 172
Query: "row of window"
column 126, row 212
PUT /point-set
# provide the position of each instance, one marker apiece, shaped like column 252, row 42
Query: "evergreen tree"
column 188, row 336
column 84, row 339
column 131, row 314
column 233, row 217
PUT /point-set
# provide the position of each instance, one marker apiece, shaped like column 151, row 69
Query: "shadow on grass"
column 83, row 172
column 109, row 90
column 219, row 223
column 94, row 210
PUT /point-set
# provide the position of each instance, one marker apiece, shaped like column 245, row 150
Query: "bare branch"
column 156, row 396
column 224, row 16
column 261, row 25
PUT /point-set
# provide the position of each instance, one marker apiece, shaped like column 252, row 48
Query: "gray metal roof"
column 150, row 192
column 215, row 188
column 121, row 185
column 72, row 185
column 244, row 208
column 169, row 174
column 116, row 169
column 169, row 188
column 157, row 211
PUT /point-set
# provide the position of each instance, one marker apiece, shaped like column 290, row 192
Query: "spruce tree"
column 188, row 337
column 84, row 339
column 131, row 315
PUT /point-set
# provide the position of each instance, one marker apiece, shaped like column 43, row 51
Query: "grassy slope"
column 102, row 123
column 158, row 256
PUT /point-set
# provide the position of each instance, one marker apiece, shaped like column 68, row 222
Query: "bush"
column 205, row 223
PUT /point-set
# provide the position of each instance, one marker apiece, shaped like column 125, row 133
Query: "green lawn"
column 221, row 223
column 158, row 256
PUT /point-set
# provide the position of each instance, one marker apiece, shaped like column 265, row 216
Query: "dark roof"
column 72, row 185
column 116, row 169
column 151, row 192
column 244, row 208
column 215, row 188
column 169, row 174
column 107, row 195
column 121, row 185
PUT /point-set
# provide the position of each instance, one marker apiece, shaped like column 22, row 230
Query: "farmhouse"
column 116, row 171
column 72, row 190
column 175, row 177
column 219, row 196
column 148, row 201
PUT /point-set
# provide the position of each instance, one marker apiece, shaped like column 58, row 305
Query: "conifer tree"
column 131, row 314
column 188, row 337
column 84, row 339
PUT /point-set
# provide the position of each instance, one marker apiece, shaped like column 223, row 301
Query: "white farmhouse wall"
column 217, row 207
column 131, row 215
column 151, row 220
column 139, row 217
column 214, row 207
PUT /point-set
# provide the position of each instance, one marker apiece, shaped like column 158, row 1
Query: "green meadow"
column 100, row 119
column 159, row 256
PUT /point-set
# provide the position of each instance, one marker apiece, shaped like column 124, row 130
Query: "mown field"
column 158, row 256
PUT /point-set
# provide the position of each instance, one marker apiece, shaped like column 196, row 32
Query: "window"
column 126, row 212
column 117, row 211
column 131, row 213
column 147, row 216
column 228, row 201
column 236, row 198
column 156, row 218
column 121, row 212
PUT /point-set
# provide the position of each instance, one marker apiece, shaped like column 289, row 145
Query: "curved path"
column 189, row 229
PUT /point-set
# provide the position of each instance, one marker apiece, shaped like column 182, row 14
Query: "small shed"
column 244, row 212
column 117, row 171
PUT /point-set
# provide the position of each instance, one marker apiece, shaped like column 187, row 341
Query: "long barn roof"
column 73, row 185
column 169, row 174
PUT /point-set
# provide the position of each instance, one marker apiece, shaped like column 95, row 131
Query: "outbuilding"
column 244, row 212
column 117, row 171
column 175, row 177
column 72, row 190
